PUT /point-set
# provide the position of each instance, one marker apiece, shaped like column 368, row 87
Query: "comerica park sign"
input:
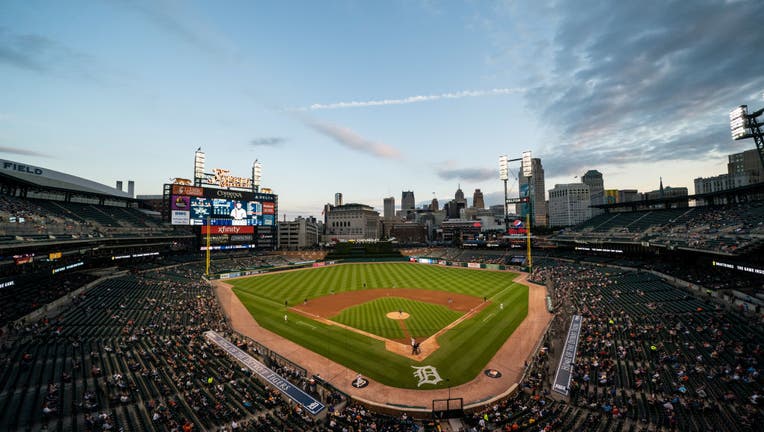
column 221, row 177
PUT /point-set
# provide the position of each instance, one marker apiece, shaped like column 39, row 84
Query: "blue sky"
column 372, row 98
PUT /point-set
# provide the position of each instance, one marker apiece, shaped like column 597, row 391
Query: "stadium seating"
column 733, row 229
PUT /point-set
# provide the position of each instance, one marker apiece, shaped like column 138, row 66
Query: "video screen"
column 222, row 208
column 228, row 212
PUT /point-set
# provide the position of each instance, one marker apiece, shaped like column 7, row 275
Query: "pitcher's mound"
column 397, row 315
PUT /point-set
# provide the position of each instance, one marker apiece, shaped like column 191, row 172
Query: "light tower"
column 504, row 176
column 257, row 173
column 744, row 125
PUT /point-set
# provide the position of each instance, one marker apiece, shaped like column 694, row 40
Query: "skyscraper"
column 434, row 205
column 477, row 199
column 389, row 208
column 569, row 204
column 459, row 195
column 593, row 179
column 338, row 199
column 535, row 189
column 407, row 202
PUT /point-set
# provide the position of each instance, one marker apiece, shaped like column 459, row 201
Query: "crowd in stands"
column 649, row 355
column 129, row 354
column 728, row 229
column 36, row 219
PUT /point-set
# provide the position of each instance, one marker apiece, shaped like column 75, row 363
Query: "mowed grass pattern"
column 464, row 350
column 425, row 319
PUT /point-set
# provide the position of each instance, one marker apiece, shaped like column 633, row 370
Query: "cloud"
column 21, row 151
column 472, row 174
column 633, row 84
column 411, row 99
column 29, row 51
column 268, row 142
column 352, row 140
column 177, row 19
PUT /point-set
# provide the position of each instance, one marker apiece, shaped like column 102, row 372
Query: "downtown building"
column 569, row 204
column 593, row 179
column 301, row 233
column 534, row 188
column 408, row 205
column 743, row 169
column 351, row 222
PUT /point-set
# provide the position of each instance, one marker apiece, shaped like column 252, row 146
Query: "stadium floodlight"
column 739, row 122
column 257, row 172
column 527, row 167
column 198, row 166
column 745, row 125
column 503, row 168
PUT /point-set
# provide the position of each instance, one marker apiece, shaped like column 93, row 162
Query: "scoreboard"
column 234, row 219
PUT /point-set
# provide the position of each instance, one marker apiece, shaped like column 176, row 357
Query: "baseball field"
column 364, row 316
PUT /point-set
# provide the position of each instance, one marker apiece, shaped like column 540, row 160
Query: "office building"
column 300, row 233
column 352, row 222
column 569, row 204
column 748, row 164
column 536, row 190
column 477, row 199
column 408, row 204
column 593, row 179
column 389, row 208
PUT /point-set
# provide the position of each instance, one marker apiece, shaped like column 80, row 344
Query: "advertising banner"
column 180, row 217
column 568, row 358
column 269, row 207
column 224, row 229
column 179, row 202
column 187, row 190
column 293, row 392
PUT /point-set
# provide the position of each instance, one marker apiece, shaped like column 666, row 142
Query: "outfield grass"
column 425, row 319
column 464, row 350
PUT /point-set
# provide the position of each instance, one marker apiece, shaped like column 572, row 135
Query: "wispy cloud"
column 351, row 139
column 178, row 19
column 268, row 142
column 471, row 174
column 30, row 51
column 411, row 99
column 21, row 151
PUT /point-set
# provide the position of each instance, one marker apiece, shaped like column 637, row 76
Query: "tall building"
column 338, row 199
column 352, row 222
column 407, row 202
column 746, row 164
column 534, row 189
column 477, row 199
column 628, row 195
column 389, row 208
column 569, row 204
column 434, row 205
column 299, row 234
column 459, row 195
column 593, row 179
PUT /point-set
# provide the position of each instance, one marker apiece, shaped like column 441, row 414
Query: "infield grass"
column 464, row 350
column 425, row 319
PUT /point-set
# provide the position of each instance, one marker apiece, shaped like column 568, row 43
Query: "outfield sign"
column 568, row 358
column 290, row 390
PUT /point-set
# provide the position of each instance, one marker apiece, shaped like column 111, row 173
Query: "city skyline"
column 373, row 99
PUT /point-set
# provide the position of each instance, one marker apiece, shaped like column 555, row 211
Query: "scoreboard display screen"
column 221, row 207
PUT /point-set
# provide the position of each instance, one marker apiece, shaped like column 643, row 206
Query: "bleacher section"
column 130, row 356
column 36, row 219
column 734, row 229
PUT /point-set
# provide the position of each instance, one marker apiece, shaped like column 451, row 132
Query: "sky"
column 371, row 98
